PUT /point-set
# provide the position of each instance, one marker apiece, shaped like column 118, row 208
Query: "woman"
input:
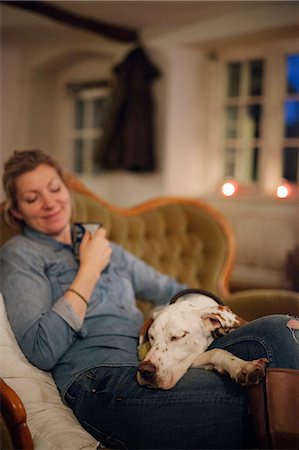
column 78, row 319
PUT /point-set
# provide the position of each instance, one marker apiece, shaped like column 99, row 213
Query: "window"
column 89, row 111
column 260, row 116
column 290, row 156
column 243, row 116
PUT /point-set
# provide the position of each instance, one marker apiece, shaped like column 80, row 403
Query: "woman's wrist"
column 79, row 292
column 85, row 282
column 88, row 274
column 78, row 295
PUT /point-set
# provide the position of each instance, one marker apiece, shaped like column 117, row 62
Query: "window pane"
column 249, row 159
column 243, row 120
column 234, row 77
column 292, row 74
column 252, row 124
column 99, row 111
column 78, row 156
column 230, row 162
column 256, row 77
column 255, row 163
column 79, row 114
column 231, row 126
column 291, row 119
column 95, row 149
column 88, row 114
column 290, row 163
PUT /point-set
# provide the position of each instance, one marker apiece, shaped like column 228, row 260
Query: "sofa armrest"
column 253, row 303
column 14, row 416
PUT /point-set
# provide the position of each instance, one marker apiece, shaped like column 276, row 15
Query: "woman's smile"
column 44, row 202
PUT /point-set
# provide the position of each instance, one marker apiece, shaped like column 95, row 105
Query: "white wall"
column 182, row 164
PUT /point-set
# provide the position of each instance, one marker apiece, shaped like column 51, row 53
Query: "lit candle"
column 283, row 190
column 229, row 188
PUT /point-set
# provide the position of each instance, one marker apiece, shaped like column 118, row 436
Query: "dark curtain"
column 128, row 133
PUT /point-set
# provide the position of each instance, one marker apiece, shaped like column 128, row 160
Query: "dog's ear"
column 143, row 333
column 221, row 321
column 144, row 344
column 211, row 321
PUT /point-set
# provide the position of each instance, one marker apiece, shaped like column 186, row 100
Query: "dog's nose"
column 147, row 370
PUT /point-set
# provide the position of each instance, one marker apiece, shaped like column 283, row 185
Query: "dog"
column 178, row 336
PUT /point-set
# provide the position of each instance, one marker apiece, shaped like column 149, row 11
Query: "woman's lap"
column 197, row 413
column 204, row 410
column 270, row 337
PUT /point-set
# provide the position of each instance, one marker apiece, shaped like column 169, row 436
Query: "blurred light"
column 283, row 190
column 229, row 188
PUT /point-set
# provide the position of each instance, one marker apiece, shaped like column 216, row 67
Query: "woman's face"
column 44, row 202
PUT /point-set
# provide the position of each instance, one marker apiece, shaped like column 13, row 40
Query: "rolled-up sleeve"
column 64, row 309
column 44, row 329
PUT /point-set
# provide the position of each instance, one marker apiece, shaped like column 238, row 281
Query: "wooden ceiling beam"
column 117, row 33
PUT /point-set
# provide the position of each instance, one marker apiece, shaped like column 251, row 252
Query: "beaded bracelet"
column 79, row 295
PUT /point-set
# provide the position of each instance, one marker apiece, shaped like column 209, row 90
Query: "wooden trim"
column 14, row 414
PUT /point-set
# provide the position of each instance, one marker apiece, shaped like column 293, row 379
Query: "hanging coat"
column 128, row 135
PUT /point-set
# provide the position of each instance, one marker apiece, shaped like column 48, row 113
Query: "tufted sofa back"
column 184, row 238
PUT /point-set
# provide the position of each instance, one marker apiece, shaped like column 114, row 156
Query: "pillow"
column 53, row 425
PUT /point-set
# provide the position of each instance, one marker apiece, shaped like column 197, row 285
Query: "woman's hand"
column 95, row 252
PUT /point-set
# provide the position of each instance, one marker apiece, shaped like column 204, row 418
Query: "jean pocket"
column 94, row 380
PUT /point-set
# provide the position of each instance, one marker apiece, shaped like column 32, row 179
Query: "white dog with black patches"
column 178, row 336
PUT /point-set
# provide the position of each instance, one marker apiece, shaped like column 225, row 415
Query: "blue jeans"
column 204, row 410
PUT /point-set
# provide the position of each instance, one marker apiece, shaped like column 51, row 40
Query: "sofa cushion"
column 53, row 426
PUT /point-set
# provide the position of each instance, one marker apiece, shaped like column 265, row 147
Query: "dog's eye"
column 151, row 337
column 179, row 336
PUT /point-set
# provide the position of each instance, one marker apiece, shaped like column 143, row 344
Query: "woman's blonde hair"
column 19, row 163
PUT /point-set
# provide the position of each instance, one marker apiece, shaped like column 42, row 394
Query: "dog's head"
column 177, row 333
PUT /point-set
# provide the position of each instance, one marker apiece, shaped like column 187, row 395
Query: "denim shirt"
column 36, row 270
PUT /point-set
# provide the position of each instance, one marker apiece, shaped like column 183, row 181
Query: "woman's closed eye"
column 55, row 186
column 30, row 198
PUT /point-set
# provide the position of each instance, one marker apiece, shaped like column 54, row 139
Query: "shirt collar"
column 44, row 238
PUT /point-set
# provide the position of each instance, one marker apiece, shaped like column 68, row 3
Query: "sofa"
column 185, row 238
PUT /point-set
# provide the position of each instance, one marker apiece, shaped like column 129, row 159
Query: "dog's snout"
column 147, row 370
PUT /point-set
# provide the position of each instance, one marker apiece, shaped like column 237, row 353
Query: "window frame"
column 87, row 133
column 273, row 53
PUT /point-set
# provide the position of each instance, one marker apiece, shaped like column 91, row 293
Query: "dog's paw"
column 252, row 372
